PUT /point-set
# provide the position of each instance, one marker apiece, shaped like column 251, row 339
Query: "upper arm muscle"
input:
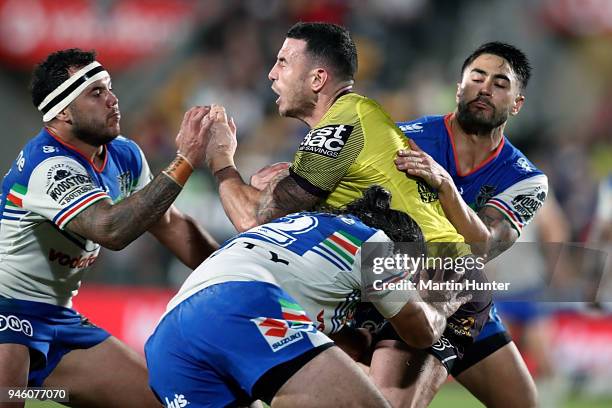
column 282, row 198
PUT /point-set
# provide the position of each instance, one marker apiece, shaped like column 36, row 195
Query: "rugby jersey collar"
column 480, row 165
column 77, row 151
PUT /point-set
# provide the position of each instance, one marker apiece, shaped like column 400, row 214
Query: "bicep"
column 92, row 222
column 283, row 197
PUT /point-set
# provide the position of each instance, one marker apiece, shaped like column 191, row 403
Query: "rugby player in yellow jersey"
column 351, row 145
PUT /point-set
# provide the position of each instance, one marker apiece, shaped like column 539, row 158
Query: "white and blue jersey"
column 48, row 185
column 263, row 300
column 315, row 257
column 506, row 181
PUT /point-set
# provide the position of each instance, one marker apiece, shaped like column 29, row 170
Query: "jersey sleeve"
column 327, row 152
column 519, row 202
column 145, row 176
column 387, row 302
column 59, row 188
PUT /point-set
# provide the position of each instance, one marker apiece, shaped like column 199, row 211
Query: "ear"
column 517, row 105
column 458, row 93
column 319, row 79
column 64, row 116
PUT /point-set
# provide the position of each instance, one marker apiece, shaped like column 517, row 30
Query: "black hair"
column 374, row 210
column 53, row 71
column 516, row 58
column 331, row 44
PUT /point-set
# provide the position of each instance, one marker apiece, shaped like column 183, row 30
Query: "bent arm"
column 247, row 207
column 463, row 218
column 419, row 324
column 182, row 235
column 116, row 226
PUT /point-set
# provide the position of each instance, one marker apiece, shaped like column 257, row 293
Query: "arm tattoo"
column 503, row 234
column 283, row 196
column 117, row 225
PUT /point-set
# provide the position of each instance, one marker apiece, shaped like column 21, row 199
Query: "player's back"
column 312, row 256
column 353, row 147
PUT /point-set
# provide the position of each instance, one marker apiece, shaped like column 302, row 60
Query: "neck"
column 474, row 148
column 92, row 153
column 324, row 102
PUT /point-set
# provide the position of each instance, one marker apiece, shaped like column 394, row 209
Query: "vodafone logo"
column 13, row 323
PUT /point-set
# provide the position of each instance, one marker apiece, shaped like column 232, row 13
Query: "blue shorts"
column 211, row 349
column 523, row 312
column 49, row 332
column 494, row 325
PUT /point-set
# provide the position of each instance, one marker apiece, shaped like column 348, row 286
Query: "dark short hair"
column 374, row 210
column 516, row 58
column 331, row 44
column 53, row 71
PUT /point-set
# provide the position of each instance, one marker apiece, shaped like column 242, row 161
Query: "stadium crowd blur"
column 410, row 52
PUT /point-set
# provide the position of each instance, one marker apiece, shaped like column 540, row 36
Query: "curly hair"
column 53, row 71
column 374, row 210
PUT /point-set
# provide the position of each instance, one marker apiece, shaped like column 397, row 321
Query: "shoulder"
column 43, row 154
column 516, row 166
column 426, row 125
column 123, row 145
column 346, row 226
column 127, row 152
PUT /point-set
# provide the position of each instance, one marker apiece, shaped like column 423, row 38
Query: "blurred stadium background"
column 166, row 56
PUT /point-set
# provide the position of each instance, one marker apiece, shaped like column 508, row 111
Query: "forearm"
column 463, row 218
column 240, row 201
column 419, row 324
column 184, row 238
column 134, row 215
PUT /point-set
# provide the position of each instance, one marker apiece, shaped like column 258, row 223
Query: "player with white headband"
column 74, row 187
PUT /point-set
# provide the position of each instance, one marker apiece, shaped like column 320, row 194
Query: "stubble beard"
column 479, row 122
column 92, row 132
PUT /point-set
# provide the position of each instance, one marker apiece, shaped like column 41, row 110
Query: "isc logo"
column 326, row 141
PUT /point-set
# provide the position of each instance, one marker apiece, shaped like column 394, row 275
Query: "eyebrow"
column 497, row 76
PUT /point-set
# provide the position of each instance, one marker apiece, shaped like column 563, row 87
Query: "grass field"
column 451, row 395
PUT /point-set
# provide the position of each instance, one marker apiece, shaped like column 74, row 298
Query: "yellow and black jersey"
column 352, row 148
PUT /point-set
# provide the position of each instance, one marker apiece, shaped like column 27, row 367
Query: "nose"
column 486, row 88
column 112, row 99
column 272, row 74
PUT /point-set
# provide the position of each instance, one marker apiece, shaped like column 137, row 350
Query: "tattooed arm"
column 114, row 226
column 501, row 233
column 247, row 207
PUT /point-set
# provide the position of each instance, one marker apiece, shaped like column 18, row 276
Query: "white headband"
column 68, row 91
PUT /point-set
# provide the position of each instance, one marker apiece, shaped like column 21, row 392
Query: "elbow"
column 113, row 238
column 245, row 224
column 481, row 242
column 423, row 329
column 114, row 243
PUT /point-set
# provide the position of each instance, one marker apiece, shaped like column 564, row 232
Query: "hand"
column 417, row 163
column 447, row 302
column 221, row 139
column 190, row 140
column 265, row 175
